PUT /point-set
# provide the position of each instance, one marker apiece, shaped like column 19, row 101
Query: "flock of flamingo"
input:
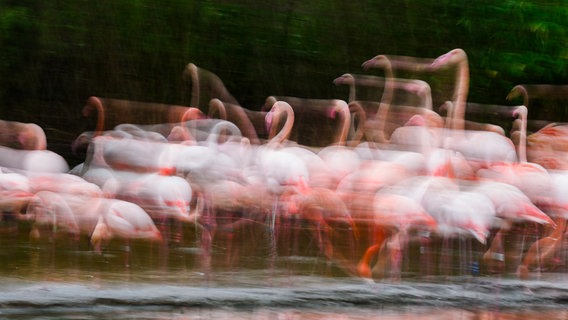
column 371, row 178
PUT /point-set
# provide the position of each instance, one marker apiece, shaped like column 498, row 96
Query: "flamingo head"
column 454, row 56
column 344, row 79
column 380, row 61
column 520, row 111
column 416, row 120
column 516, row 92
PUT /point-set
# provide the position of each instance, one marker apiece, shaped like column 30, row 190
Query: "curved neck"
column 219, row 129
column 191, row 114
column 194, row 75
column 357, row 126
column 461, row 91
column 386, row 99
column 352, row 88
column 343, row 109
column 425, row 95
column 558, row 232
column 519, row 90
column 521, row 112
column 216, row 106
column 275, row 112
column 94, row 103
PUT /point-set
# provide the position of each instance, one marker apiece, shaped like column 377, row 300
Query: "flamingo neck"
column 216, row 106
column 95, row 103
column 192, row 113
column 558, row 232
column 343, row 110
column 522, row 112
column 284, row 133
column 460, row 93
column 519, row 90
column 386, row 100
column 352, row 89
column 194, row 74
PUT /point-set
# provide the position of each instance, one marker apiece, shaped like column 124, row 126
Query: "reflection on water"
column 331, row 313
column 243, row 279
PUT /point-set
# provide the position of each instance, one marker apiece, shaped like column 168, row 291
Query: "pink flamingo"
column 62, row 183
column 20, row 135
column 544, row 252
column 512, row 206
column 49, row 212
column 32, row 160
column 123, row 220
column 366, row 111
column 277, row 170
column 533, row 179
column 400, row 213
column 400, row 135
column 325, row 210
column 415, row 136
column 206, row 85
column 415, row 86
column 112, row 112
column 250, row 123
column 15, row 192
column 546, row 146
column 332, row 131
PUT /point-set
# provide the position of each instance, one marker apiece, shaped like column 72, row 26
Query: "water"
column 243, row 279
column 290, row 297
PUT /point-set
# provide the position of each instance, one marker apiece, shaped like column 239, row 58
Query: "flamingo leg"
column 364, row 268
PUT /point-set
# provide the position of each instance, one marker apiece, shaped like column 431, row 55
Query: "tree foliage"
column 57, row 53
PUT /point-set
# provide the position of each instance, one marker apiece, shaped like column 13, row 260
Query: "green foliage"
column 57, row 53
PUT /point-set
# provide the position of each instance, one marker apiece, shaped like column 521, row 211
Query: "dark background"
column 55, row 54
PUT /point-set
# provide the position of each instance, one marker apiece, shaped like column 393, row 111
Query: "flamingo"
column 206, row 85
column 546, row 252
column 330, row 130
column 160, row 196
column 457, row 211
column 324, row 209
column 532, row 92
column 250, row 123
column 276, row 169
column 474, row 145
column 415, row 136
column 543, row 253
column 327, row 165
column 32, row 160
column 401, row 135
column 15, row 192
column 533, row 179
column 547, row 146
column 99, row 218
column 20, row 135
column 123, row 220
column 418, row 87
column 512, row 206
column 400, row 213
column 126, row 154
column 49, row 211
column 458, row 58
column 366, row 111
column 62, row 183
column 114, row 112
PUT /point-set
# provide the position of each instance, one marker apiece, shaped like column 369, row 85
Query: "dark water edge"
column 285, row 297
column 243, row 279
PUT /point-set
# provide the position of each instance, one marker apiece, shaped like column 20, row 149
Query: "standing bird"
column 399, row 214
column 123, row 220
